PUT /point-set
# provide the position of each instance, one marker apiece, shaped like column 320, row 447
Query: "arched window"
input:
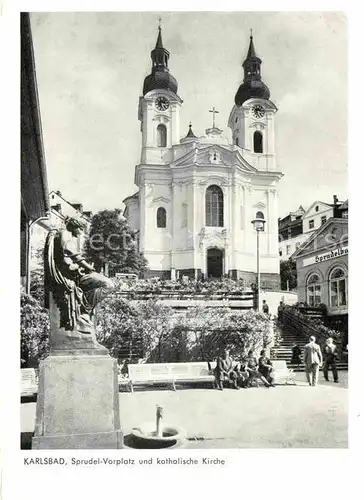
column 214, row 205
column 258, row 142
column 313, row 289
column 259, row 215
column 161, row 217
column 337, row 287
column 161, row 136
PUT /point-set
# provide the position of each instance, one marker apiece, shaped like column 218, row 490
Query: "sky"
column 91, row 67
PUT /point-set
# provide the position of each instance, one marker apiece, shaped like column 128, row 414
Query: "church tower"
column 159, row 109
column 197, row 195
column 252, row 117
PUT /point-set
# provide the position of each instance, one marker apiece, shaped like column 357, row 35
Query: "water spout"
column 159, row 415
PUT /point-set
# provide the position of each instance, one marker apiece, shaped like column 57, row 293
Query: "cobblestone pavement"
column 282, row 417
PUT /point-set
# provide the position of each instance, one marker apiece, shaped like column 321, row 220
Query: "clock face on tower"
column 162, row 103
column 258, row 111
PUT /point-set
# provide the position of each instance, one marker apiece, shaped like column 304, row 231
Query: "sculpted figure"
column 73, row 288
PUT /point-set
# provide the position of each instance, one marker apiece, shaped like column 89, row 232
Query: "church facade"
column 197, row 196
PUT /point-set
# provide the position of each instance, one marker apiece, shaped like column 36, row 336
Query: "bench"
column 169, row 373
column 29, row 382
column 282, row 374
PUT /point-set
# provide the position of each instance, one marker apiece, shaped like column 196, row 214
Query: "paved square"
column 281, row 417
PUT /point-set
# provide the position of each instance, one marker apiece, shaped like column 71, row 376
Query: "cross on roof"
column 213, row 111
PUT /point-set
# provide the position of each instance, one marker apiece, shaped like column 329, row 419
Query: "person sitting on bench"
column 243, row 374
column 266, row 367
column 252, row 365
column 225, row 371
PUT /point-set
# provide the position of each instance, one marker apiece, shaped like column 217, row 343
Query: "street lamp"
column 258, row 224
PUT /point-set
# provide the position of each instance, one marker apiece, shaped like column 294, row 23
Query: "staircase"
column 283, row 350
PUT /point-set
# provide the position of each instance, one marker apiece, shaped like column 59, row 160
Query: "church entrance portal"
column 215, row 263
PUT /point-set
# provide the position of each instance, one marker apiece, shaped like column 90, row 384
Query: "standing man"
column 312, row 357
column 265, row 307
column 330, row 356
column 280, row 312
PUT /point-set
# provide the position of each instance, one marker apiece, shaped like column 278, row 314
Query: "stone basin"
column 145, row 437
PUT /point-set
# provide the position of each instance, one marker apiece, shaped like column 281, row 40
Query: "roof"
column 344, row 206
column 34, row 185
column 315, row 234
column 68, row 202
column 315, row 203
column 190, row 132
column 133, row 196
column 159, row 43
column 251, row 51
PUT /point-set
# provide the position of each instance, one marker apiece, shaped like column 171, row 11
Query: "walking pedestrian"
column 330, row 357
column 312, row 358
column 296, row 355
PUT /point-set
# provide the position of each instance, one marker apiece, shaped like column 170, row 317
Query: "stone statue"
column 72, row 290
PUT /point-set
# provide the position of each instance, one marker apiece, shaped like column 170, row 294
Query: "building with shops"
column 197, row 195
column 298, row 226
column 322, row 269
column 34, row 187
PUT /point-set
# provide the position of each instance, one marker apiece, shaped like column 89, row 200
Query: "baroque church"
column 197, row 196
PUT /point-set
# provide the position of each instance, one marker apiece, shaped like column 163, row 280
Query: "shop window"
column 214, row 205
column 161, row 217
column 338, row 288
column 311, row 224
column 313, row 290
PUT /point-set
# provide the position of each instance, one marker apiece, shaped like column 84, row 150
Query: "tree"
column 152, row 330
column 142, row 329
column 119, row 327
column 288, row 274
column 37, row 277
column 112, row 244
column 34, row 331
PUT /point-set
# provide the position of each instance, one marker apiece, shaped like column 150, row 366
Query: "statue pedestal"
column 78, row 403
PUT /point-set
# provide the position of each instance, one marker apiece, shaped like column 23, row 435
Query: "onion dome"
column 190, row 137
column 190, row 132
column 252, row 85
column 160, row 78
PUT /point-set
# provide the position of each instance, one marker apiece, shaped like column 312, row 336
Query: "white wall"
column 292, row 243
column 312, row 214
